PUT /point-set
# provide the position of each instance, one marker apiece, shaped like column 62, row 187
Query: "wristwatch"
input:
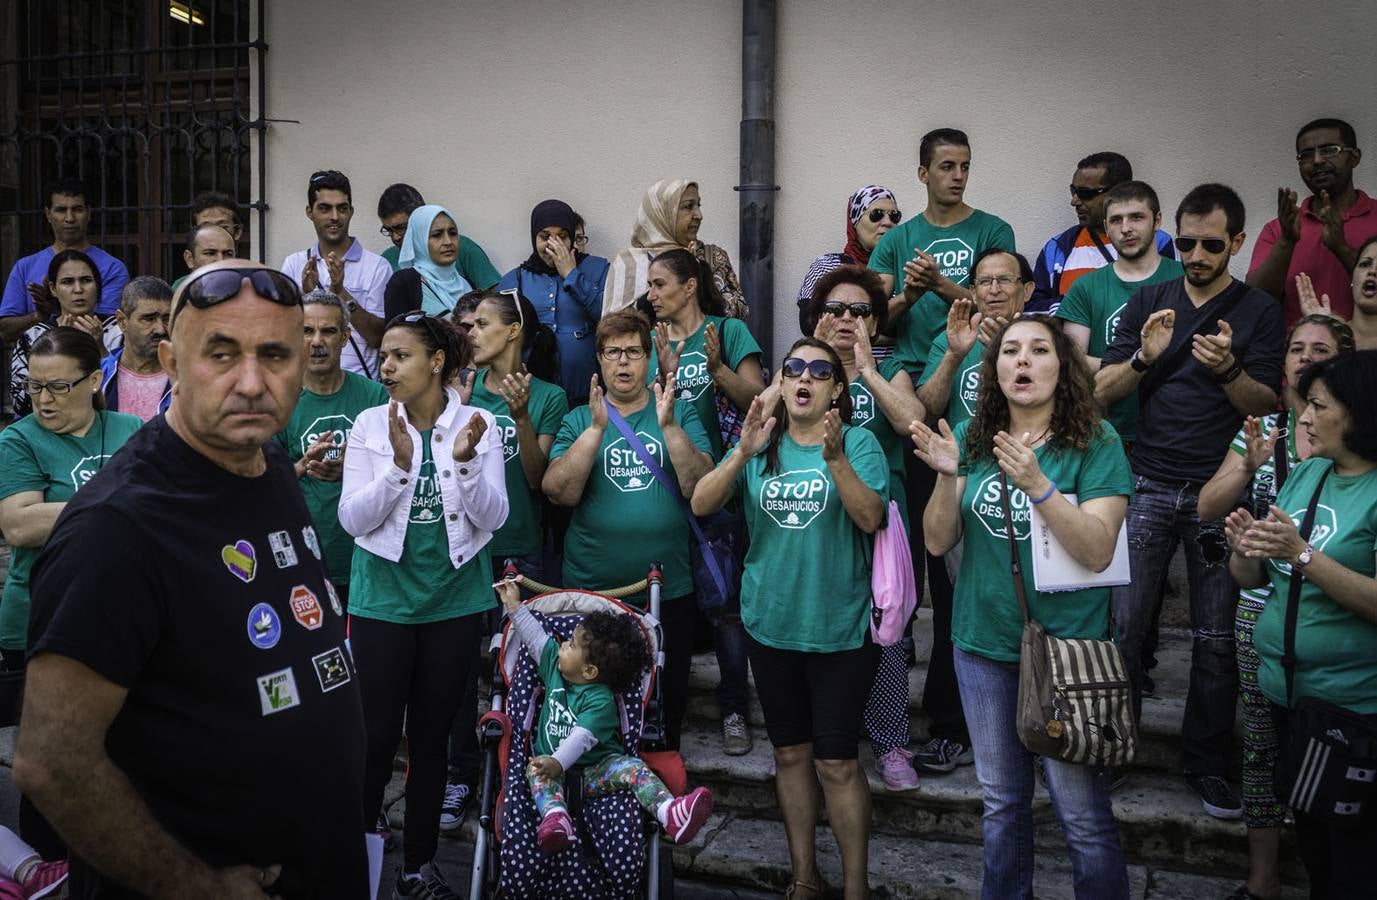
column 1305, row 556
column 1137, row 362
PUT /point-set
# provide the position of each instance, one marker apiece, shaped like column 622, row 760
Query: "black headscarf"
column 547, row 214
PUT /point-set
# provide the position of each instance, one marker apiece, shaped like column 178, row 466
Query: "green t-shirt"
column 32, row 458
column 1097, row 301
column 964, row 393
column 693, row 381
column 625, row 519
column 866, row 413
column 955, row 248
column 473, row 263
column 423, row 586
column 547, row 405
column 806, row 582
column 986, row 619
column 569, row 706
column 315, row 416
column 1336, row 649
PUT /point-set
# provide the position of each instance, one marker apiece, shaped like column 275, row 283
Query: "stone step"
column 1159, row 733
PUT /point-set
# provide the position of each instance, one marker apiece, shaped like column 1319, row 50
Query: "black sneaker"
column 455, row 803
column 430, row 886
column 942, row 755
column 1218, row 799
column 1149, row 686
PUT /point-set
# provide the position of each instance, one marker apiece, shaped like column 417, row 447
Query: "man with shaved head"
column 205, row 244
column 191, row 722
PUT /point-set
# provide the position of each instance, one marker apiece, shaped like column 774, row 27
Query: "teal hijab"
column 441, row 285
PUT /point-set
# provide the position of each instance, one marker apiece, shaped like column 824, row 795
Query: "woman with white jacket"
column 423, row 491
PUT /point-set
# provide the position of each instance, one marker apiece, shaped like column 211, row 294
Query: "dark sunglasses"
column 838, row 309
column 1085, row 194
column 1211, row 245
column 425, row 320
column 876, row 215
column 204, row 290
column 820, row 369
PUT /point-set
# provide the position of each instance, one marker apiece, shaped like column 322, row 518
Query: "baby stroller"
column 620, row 852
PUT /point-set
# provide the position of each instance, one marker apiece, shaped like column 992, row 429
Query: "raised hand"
column 466, row 445
column 865, row 357
column 1156, row 334
column 1309, row 304
column 560, row 256
column 85, row 322
column 402, row 447
column 1275, row 537
column 1236, row 525
column 712, row 348
column 826, row 329
column 1259, row 445
column 310, row 275
column 509, row 593
column 935, row 448
column 920, row 273
column 963, row 328
column 756, row 429
column 515, row 390
column 1288, row 214
column 1020, row 462
column 1215, row 351
column 44, row 303
column 1333, row 221
column 334, row 265
column 463, row 381
column 990, row 327
column 832, row 437
column 314, row 457
column 665, row 352
column 597, row 407
column 664, row 401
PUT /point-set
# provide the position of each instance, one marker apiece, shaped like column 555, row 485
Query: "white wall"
column 490, row 108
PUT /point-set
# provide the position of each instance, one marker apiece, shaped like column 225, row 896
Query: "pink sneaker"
column 45, row 879
column 896, row 768
column 556, row 833
column 687, row 814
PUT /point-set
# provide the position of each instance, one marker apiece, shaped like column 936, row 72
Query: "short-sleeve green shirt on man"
column 955, row 248
column 547, row 405
column 625, row 519
column 473, row 263
column 1097, row 301
column 693, row 381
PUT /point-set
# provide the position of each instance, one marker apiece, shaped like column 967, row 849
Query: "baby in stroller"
column 579, row 724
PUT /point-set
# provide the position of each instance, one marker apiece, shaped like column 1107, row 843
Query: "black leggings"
column 679, row 618
column 814, row 698
column 417, row 672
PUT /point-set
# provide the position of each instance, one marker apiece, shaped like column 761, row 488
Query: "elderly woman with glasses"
column 870, row 212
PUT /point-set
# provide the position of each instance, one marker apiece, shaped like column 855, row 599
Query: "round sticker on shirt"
column 264, row 627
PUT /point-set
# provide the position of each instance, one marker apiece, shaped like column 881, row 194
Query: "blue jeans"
column 729, row 640
column 1159, row 515
column 1004, row 767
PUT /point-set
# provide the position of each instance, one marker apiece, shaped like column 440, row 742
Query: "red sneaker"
column 687, row 814
column 556, row 833
column 44, row 879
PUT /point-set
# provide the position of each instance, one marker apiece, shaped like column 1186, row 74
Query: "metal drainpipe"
column 756, row 263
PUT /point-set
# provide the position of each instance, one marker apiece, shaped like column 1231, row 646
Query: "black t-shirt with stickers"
column 203, row 594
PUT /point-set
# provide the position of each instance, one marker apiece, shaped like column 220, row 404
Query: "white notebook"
column 1054, row 569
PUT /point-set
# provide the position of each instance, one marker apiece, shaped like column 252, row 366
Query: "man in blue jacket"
column 131, row 377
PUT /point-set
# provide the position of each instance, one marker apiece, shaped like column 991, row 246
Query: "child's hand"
column 547, row 767
column 509, row 594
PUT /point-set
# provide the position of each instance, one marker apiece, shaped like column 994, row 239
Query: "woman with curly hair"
column 1036, row 440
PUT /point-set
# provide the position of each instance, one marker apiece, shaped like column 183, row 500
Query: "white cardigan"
column 375, row 498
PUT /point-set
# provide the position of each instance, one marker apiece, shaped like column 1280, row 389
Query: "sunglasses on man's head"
column 838, row 309
column 206, row 289
column 1085, row 194
column 820, row 369
column 1211, row 245
column 877, row 215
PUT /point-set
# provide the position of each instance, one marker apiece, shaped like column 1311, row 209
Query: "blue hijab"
column 441, row 285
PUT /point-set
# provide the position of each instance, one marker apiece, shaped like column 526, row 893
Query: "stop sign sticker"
column 306, row 608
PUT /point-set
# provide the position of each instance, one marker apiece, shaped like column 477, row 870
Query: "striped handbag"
column 1074, row 701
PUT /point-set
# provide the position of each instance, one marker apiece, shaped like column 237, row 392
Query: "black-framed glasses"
column 877, row 215
column 56, row 388
column 632, row 353
column 820, row 369
column 425, row 320
column 1211, row 245
column 392, row 231
column 580, row 240
column 1085, row 194
column 838, row 308
column 205, row 289
column 1323, row 151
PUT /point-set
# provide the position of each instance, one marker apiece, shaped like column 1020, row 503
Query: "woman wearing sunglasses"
column 870, row 212
column 1251, row 471
column 814, row 489
column 1036, row 428
column 74, row 281
column 849, row 307
column 565, row 287
column 423, row 491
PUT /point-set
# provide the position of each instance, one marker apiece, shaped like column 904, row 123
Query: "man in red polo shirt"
column 1321, row 236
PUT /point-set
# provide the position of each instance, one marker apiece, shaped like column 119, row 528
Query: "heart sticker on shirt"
column 239, row 559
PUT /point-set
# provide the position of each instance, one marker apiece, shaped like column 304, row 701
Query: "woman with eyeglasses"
column 1251, row 473
column 870, row 212
column 423, row 491
column 46, row 457
column 74, row 281
column 1037, row 430
column 624, row 516
column 669, row 216
column 814, row 488
column 565, row 286
column 428, row 276
column 849, row 306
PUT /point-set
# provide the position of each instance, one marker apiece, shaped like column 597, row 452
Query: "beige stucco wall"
column 489, row 108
